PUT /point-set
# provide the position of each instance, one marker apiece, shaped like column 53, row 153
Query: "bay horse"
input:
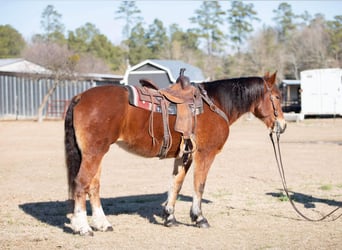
column 101, row 116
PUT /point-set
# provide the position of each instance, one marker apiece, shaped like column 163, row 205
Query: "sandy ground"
column 243, row 201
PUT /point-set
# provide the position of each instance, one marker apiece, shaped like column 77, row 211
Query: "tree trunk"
column 45, row 100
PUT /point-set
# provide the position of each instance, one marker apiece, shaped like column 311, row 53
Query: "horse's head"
column 269, row 108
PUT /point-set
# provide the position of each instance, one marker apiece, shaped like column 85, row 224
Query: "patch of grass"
column 339, row 185
column 282, row 197
column 326, row 187
column 251, row 203
column 221, row 193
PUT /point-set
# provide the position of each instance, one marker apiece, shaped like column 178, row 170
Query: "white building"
column 321, row 92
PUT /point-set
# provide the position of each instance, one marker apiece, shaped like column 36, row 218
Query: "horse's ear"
column 271, row 79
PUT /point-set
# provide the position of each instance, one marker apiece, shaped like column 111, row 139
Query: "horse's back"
column 103, row 102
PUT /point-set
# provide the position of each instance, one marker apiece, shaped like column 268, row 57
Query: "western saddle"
column 181, row 99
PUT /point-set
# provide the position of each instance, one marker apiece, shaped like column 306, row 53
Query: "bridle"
column 275, row 111
column 278, row 129
column 277, row 154
column 269, row 90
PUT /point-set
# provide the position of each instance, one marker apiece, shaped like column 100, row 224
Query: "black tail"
column 73, row 155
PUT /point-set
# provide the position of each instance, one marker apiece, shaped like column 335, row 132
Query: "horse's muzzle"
column 279, row 126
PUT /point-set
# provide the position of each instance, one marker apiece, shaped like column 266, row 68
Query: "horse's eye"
column 275, row 97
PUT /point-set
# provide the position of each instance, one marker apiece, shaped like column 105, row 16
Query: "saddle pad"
column 136, row 101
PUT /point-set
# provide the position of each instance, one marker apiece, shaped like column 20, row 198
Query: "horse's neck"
column 233, row 110
column 234, row 117
column 235, row 113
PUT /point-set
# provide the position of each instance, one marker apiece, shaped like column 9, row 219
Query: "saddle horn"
column 182, row 79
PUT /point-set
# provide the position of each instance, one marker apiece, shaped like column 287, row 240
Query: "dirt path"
column 242, row 197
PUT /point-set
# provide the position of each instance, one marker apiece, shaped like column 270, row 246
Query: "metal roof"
column 7, row 61
column 172, row 67
column 103, row 76
column 20, row 65
column 291, row 82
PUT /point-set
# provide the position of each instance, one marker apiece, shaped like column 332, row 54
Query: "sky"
column 25, row 15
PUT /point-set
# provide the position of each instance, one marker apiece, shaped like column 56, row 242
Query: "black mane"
column 235, row 94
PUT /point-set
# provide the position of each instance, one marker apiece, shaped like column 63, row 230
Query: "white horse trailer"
column 321, row 92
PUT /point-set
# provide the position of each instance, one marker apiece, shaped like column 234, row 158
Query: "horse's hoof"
column 86, row 233
column 170, row 222
column 103, row 229
column 202, row 223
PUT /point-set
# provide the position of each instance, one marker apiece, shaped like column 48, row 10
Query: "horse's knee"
column 80, row 191
column 94, row 190
column 87, row 181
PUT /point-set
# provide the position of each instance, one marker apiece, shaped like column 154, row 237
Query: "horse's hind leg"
column 79, row 221
column 99, row 220
column 179, row 173
column 87, row 182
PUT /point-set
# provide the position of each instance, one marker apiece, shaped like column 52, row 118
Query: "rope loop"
column 279, row 161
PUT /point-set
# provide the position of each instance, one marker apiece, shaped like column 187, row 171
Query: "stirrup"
column 182, row 146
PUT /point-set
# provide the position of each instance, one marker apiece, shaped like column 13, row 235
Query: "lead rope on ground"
column 283, row 180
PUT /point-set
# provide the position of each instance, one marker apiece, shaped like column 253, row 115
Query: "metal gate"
column 21, row 96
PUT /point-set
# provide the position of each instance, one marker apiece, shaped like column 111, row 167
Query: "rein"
column 283, row 180
column 211, row 104
column 277, row 154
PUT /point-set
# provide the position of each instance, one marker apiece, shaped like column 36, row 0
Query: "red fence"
column 57, row 108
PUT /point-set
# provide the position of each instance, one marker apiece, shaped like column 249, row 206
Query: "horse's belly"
column 142, row 150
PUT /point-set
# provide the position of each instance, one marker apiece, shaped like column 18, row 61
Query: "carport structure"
column 162, row 72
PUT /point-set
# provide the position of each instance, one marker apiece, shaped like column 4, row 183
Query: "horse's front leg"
column 179, row 173
column 202, row 166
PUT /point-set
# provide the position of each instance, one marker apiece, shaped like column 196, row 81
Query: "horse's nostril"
column 279, row 127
